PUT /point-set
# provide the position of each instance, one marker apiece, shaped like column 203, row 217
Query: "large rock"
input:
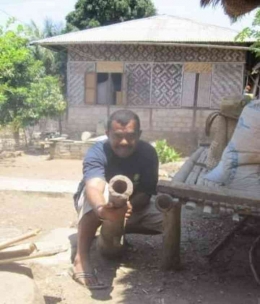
column 17, row 286
column 85, row 136
column 101, row 127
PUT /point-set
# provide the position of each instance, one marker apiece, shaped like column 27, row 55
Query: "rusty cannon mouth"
column 165, row 202
column 120, row 189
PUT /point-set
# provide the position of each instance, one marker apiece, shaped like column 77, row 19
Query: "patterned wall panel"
column 76, row 80
column 152, row 53
column 166, row 85
column 138, row 83
column 226, row 80
column 177, row 54
column 111, row 52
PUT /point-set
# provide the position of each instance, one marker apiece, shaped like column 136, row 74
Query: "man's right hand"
column 110, row 213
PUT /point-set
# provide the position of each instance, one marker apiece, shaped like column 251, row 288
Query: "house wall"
column 183, row 128
column 173, row 89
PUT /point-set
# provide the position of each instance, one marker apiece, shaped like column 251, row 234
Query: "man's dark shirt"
column 141, row 167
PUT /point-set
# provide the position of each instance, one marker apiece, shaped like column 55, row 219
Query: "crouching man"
column 123, row 153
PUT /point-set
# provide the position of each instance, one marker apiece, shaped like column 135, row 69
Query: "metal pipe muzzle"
column 165, row 202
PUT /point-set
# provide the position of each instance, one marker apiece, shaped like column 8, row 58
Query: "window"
column 109, row 88
column 105, row 87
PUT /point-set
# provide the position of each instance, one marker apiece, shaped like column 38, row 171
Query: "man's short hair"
column 123, row 117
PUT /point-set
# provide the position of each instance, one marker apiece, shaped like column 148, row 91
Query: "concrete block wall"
column 183, row 128
column 84, row 118
column 68, row 149
column 143, row 113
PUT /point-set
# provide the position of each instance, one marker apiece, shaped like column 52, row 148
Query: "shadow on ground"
column 137, row 277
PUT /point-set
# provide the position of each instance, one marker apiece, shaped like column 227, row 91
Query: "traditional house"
column 171, row 71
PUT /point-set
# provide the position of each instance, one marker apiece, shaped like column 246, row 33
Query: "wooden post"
column 111, row 239
column 39, row 254
column 17, row 251
column 171, row 210
column 19, row 238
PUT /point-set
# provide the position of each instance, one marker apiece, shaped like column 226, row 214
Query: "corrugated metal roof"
column 157, row 29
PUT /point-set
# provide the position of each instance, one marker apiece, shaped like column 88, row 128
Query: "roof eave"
column 56, row 46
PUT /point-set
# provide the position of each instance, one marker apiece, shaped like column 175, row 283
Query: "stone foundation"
column 68, row 149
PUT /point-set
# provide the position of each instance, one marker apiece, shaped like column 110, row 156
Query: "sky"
column 56, row 10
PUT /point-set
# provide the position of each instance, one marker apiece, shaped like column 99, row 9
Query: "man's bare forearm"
column 95, row 192
column 94, row 197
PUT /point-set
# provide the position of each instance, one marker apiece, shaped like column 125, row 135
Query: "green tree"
column 26, row 93
column 55, row 63
column 89, row 13
column 165, row 152
column 252, row 33
column 52, row 61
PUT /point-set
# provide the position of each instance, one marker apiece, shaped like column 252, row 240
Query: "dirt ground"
column 40, row 167
column 137, row 277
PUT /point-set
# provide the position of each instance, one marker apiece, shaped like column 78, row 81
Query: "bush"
column 166, row 153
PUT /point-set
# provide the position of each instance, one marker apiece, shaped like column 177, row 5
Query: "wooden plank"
column 36, row 255
column 20, row 238
column 185, row 170
column 188, row 89
column 204, row 90
column 17, row 251
column 200, row 180
column 90, row 88
column 202, row 159
column 221, row 194
column 110, row 67
column 193, row 176
column 197, row 67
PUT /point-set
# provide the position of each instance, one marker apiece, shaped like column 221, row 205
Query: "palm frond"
column 233, row 8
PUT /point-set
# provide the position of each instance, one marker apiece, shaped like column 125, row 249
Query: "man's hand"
column 129, row 210
column 110, row 213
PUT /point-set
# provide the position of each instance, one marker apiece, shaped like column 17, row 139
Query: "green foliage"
column 53, row 62
column 252, row 33
column 89, row 13
column 166, row 153
column 45, row 100
column 26, row 93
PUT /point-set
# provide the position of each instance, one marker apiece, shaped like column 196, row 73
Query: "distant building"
column 171, row 71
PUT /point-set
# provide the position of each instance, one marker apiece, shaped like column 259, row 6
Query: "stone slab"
column 17, row 286
column 64, row 238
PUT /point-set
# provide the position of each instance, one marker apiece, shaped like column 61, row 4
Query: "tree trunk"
column 60, row 125
column 25, row 138
column 16, row 138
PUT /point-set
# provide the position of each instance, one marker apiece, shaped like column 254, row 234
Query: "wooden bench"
column 192, row 190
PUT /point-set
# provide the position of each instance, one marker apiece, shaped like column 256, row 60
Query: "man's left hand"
column 129, row 210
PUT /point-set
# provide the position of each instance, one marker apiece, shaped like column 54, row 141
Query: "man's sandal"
column 84, row 279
